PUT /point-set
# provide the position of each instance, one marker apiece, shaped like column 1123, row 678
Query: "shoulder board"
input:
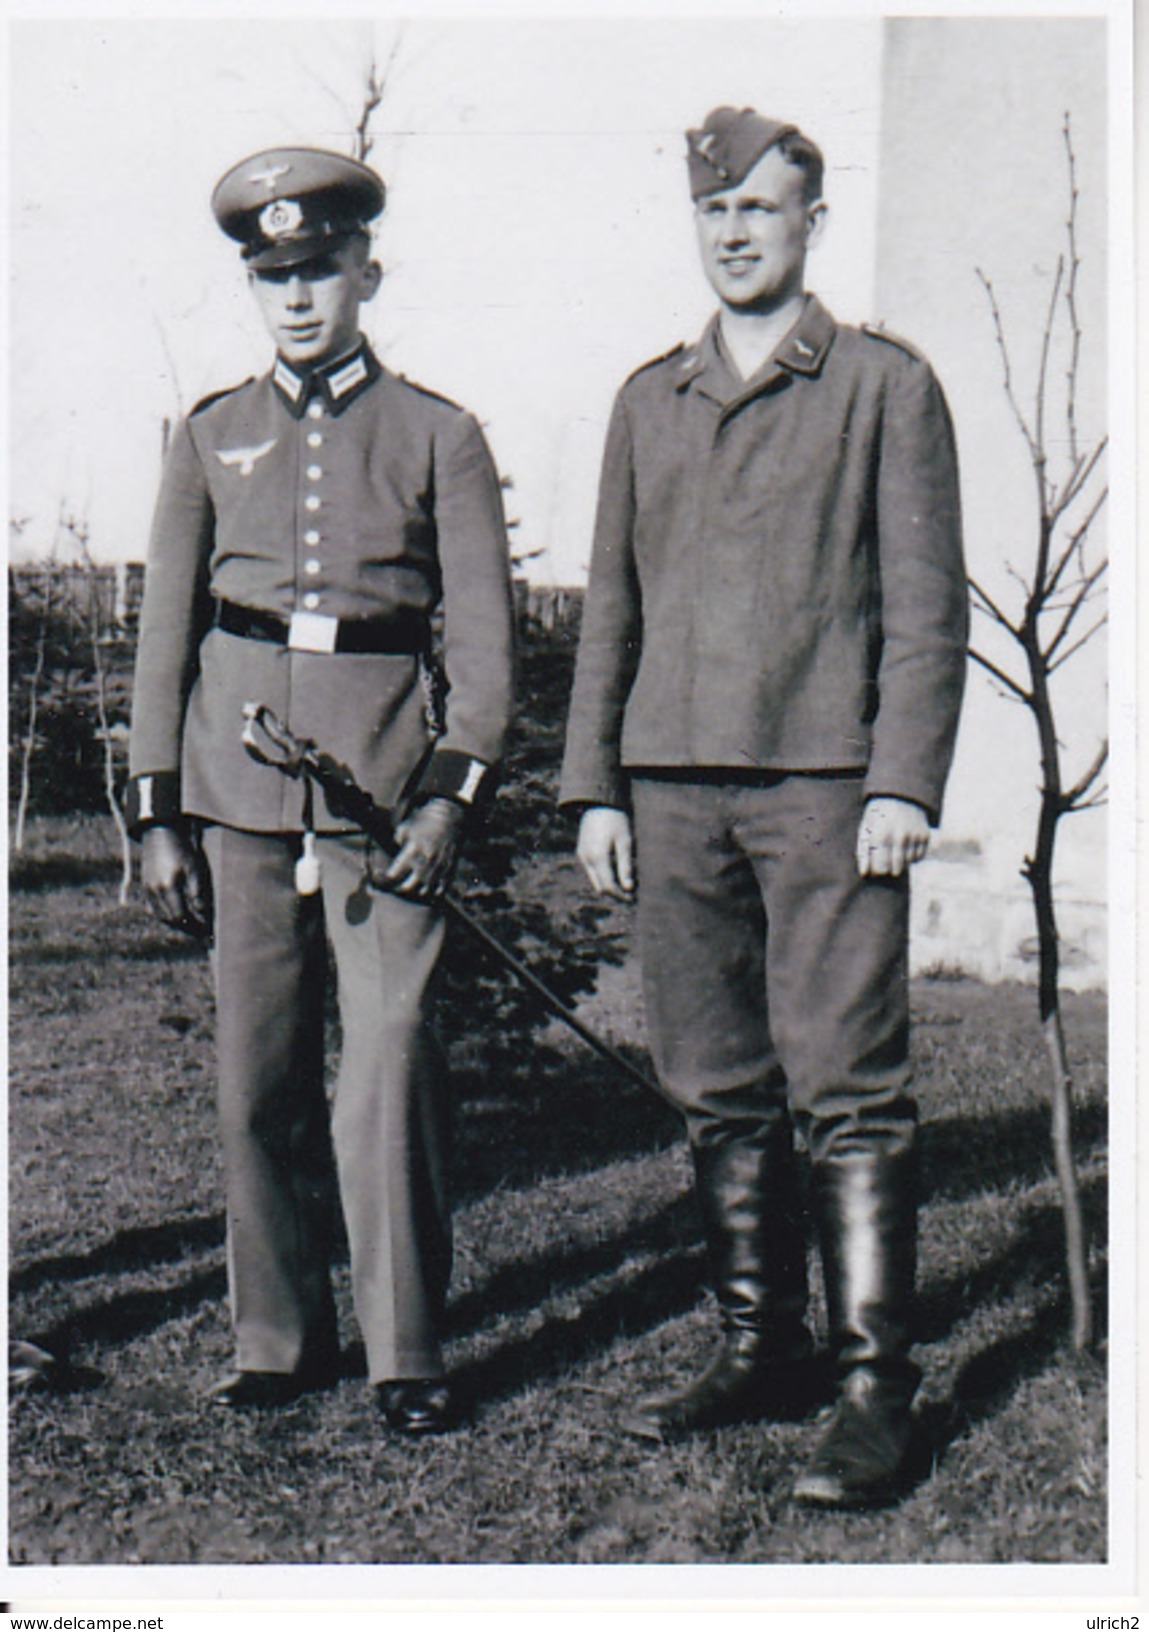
column 215, row 396
column 435, row 396
column 654, row 361
column 875, row 332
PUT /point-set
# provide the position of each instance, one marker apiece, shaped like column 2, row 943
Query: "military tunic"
column 777, row 579
column 309, row 527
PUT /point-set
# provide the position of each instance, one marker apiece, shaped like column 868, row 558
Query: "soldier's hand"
column 428, row 841
column 606, row 850
column 175, row 881
column 892, row 835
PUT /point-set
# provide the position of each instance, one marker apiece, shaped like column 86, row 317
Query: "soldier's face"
column 311, row 309
column 753, row 237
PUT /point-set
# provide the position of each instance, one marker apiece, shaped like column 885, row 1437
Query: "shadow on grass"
column 126, row 1253
column 1032, row 1257
column 146, row 948
column 117, row 1320
column 969, row 1155
column 61, row 871
column 670, row 1287
column 560, row 1114
column 985, row 1383
column 672, row 1231
column 664, row 1290
column 1035, row 1255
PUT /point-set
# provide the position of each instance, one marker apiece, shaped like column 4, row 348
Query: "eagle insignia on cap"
column 270, row 176
column 277, row 219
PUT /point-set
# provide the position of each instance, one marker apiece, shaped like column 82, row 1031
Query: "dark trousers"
column 775, row 976
column 388, row 1115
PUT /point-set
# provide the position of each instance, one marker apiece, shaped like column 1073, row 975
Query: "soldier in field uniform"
column 309, row 525
column 766, row 697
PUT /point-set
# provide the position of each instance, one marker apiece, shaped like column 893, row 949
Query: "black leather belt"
column 402, row 632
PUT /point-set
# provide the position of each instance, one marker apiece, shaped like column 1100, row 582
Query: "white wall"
column 974, row 175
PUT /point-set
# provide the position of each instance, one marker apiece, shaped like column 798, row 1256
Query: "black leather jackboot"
column 865, row 1205
column 752, row 1219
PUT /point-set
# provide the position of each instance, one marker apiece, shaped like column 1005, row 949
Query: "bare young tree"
column 374, row 88
column 369, row 96
column 110, row 732
column 35, row 682
column 1056, row 618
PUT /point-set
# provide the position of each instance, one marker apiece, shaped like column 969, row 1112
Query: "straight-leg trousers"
column 774, row 974
column 388, row 1119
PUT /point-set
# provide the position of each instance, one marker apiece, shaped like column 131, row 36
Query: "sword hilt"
column 269, row 741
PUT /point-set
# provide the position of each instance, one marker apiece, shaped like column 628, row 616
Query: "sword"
column 268, row 740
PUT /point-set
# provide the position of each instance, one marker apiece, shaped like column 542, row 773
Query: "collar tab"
column 690, row 366
column 337, row 383
column 805, row 347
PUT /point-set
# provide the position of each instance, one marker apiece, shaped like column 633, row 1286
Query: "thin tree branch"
column 1075, row 539
column 1000, row 675
column 1042, row 370
column 375, row 90
column 1073, row 796
column 1074, row 608
column 1070, row 601
column 170, row 358
column 1017, row 577
column 372, row 97
column 80, row 532
column 1096, row 801
column 1077, row 480
column 1082, row 640
column 1071, row 292
column 990, row 606
column 1007, row 372
column 318, row 79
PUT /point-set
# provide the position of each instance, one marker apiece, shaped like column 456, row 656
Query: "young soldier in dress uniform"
column 764, row 710
column 309, row 524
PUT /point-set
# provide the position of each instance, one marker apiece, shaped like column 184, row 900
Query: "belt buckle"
column 312, row 632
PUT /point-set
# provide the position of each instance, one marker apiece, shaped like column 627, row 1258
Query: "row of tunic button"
column 313, row 566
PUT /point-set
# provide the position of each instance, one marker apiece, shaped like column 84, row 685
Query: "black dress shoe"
column 418, row 1405
column 262, row 1390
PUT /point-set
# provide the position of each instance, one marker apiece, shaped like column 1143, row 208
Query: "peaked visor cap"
column 728, row 146
column 291, row 203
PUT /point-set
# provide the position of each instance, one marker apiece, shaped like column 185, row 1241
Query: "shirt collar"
column 337, row 383
column 801, row 351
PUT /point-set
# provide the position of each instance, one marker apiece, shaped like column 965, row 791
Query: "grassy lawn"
column 578, row 1277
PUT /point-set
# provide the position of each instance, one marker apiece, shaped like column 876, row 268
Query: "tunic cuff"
column 152, row 800
column 452, row 774
column 584, row 792
column 932, row 810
